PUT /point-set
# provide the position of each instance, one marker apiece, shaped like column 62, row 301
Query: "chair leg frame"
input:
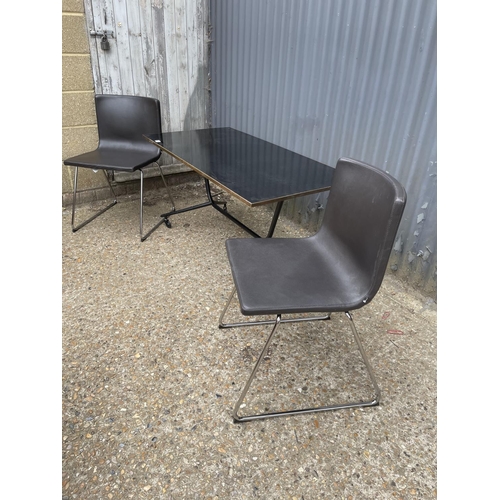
column 239, row 419
column 223, row 325
column 84, row 223
column 115, row 201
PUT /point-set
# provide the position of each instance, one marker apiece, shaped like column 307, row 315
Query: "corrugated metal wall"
column 332, row 78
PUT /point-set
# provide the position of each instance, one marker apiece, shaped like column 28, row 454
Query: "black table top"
column 255, row 171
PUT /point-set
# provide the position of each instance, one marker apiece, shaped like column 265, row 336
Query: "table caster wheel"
column 168, row 223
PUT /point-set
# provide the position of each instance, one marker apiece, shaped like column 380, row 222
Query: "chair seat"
column 294, row 275
column 121, row 159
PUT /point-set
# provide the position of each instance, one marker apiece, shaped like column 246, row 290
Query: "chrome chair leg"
column 84, row 223
column 376, row 400
column 236, row 417
column 372, row 402
column 223, row 313
column 141, row 206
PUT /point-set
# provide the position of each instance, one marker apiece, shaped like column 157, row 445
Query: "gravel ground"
column 149, row 381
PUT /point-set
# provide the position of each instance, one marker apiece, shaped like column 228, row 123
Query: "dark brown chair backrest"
column 364, row 209
column 122, row 120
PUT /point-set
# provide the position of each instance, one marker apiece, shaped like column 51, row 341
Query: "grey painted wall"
column 332, row 78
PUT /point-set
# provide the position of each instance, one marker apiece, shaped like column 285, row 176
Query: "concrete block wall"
column 79, row 127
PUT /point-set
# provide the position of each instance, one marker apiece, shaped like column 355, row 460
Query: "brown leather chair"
column 339, row 269
column 121, row 121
